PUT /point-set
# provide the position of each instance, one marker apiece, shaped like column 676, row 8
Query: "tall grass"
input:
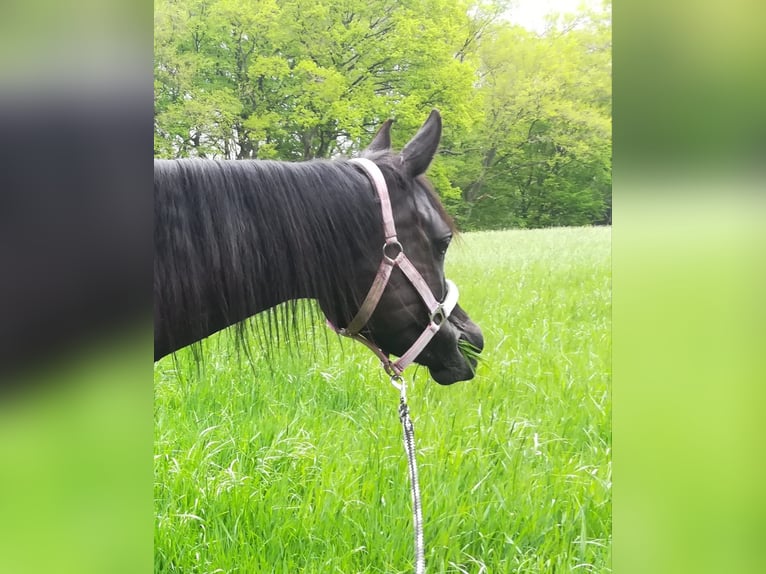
column 294, row 462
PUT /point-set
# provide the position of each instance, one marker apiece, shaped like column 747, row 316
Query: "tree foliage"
column 527, row 117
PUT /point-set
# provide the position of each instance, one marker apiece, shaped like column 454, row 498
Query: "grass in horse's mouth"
column 469, row 352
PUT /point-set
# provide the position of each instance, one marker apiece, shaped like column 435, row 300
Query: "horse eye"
column 442, row 244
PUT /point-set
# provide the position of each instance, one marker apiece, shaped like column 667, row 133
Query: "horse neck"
column 249, row 235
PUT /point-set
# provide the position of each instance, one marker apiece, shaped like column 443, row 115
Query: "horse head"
column 423, row 234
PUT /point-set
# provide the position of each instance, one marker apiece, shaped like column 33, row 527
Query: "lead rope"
column 409, row 447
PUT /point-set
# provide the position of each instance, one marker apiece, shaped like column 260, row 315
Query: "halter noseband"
column 393, row 256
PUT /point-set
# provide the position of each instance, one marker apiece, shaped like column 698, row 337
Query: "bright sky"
column 531, row 13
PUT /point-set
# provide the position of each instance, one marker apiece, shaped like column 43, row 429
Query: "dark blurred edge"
column 689, row 274
column 75, row 224
column 76, row 391
column 75, row 329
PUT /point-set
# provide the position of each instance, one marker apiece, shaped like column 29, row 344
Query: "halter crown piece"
column 393, row 256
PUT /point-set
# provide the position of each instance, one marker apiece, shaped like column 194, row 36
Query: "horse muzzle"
column 453, row 354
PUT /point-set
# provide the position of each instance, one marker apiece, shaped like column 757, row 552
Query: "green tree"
column 297, row 79
column 541, row 156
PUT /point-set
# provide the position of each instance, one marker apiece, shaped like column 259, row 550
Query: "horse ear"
column 418, row 153
column 382, row 139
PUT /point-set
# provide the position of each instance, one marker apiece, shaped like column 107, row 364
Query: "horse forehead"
column 429, row 216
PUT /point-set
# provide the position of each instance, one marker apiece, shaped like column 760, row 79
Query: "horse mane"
column 222, row 220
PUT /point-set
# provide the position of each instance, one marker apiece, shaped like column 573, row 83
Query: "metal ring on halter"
column 439, row 314
column 397, row 246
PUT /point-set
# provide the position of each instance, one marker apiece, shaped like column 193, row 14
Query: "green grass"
column 297, row 465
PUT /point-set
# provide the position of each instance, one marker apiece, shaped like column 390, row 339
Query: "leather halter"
column 393, row 256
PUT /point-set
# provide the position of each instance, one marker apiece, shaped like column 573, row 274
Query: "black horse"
column 234, row 238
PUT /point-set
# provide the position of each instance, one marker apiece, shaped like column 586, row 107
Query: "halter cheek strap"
column 394, row 256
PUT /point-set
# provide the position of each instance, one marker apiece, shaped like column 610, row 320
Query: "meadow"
column 292, row 461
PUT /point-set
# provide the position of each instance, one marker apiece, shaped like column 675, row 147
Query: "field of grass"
column 295, row 464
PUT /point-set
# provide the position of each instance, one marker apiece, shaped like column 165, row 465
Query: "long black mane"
column 220, row 226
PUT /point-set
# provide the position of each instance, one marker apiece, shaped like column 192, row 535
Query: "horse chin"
column 454, row 373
